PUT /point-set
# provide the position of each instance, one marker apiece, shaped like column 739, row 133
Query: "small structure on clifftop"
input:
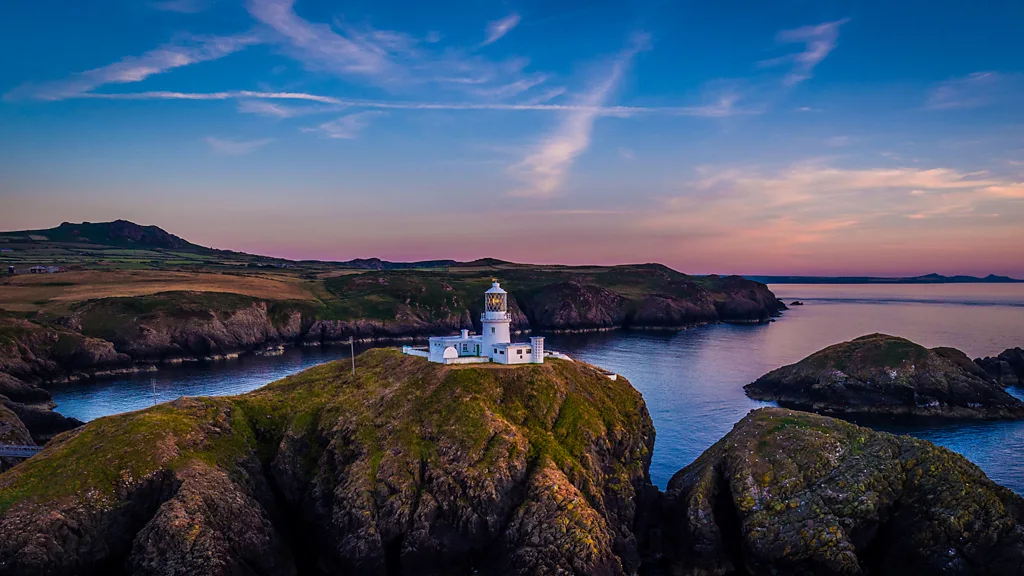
column 494, row 345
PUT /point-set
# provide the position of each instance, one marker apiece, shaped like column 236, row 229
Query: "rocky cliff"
column 880, row 374
column 795, row 493
column 32, row 352
column 1007, row 369
column 414, row 468
column 12, row 432
column 405, row 468
column 108, row 334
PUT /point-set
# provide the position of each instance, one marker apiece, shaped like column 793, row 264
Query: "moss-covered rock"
column 790, row 492
column 880, row 374
column 406, row 468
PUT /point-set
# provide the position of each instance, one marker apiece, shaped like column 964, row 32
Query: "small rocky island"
column 888, row 375
column 790, row 492
column 415, row 468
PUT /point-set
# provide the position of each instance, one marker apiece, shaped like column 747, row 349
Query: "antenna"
column 352, row 352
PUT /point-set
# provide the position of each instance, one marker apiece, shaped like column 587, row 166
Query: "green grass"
column 396, row 406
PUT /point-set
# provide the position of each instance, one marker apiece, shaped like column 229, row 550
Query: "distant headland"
column 925, row 279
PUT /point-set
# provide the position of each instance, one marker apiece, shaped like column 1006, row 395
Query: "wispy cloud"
column 498, row 28
column 136, row 68
column 544, row 170
column 859, row 216
column 818, row 42
column 274, row 110
column 722, row 107
column 182, row 6
column 232, row 147
column 388, row 58
column 347, row 127
column 319, row 45
column 972, row 91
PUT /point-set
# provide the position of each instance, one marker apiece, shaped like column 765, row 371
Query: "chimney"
column 465, row 334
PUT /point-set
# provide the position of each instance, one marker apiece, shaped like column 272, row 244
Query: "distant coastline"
column 926, row 279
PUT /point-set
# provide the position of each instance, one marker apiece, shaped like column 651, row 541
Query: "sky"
column 786, row 137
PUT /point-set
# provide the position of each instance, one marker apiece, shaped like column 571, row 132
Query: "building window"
column 492, row 330
column 502, row 352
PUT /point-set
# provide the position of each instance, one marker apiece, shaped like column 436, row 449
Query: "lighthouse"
column 495, row 320
column 493, row 345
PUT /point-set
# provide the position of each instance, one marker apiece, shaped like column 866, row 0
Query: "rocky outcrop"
column 574, row 306
column 880, row 374
column 743, row 301
column 173, row 325
column 12, row 432
column 1007, row 369
column 406, row 468
column 33, row 352
column 24, row 393
column 41, row 421
column 795, row 493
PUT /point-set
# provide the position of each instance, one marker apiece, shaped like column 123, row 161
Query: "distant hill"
column 925, row 279
column 90, row 242
column 117, row 234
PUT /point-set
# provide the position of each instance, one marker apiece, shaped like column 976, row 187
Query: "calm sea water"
column 693, row 380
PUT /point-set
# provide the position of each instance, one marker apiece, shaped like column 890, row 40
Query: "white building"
column 494, row 345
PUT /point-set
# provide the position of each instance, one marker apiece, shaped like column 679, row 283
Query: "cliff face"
column 879, row 374
column 13, row 432
column 795, row 493
column 113, row 333
column 1007, row 369
column 186, row 324
column 31, row 352
column 405, row 468
column 574, row 306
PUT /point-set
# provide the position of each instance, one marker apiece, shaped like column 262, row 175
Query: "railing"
column 18, row 451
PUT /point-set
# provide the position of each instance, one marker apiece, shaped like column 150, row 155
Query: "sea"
column 692, row 380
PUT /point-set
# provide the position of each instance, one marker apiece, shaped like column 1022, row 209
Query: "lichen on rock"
column 790, row 492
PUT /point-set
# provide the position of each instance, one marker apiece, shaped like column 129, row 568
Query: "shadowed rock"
column 880, row 374
column 1007, row 369
column 790, row 492
column 12, row 432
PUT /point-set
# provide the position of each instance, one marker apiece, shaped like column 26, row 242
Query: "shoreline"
column 142, row 367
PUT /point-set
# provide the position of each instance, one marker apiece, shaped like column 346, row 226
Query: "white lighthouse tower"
column 495, row 319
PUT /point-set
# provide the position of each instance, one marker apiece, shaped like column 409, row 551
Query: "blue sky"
column 749, row 137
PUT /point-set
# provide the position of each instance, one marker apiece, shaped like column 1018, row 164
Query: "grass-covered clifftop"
column 159, row 316
column 407, row 466
column 881, row 374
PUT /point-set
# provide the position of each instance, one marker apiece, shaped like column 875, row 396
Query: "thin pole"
column 352, row 352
